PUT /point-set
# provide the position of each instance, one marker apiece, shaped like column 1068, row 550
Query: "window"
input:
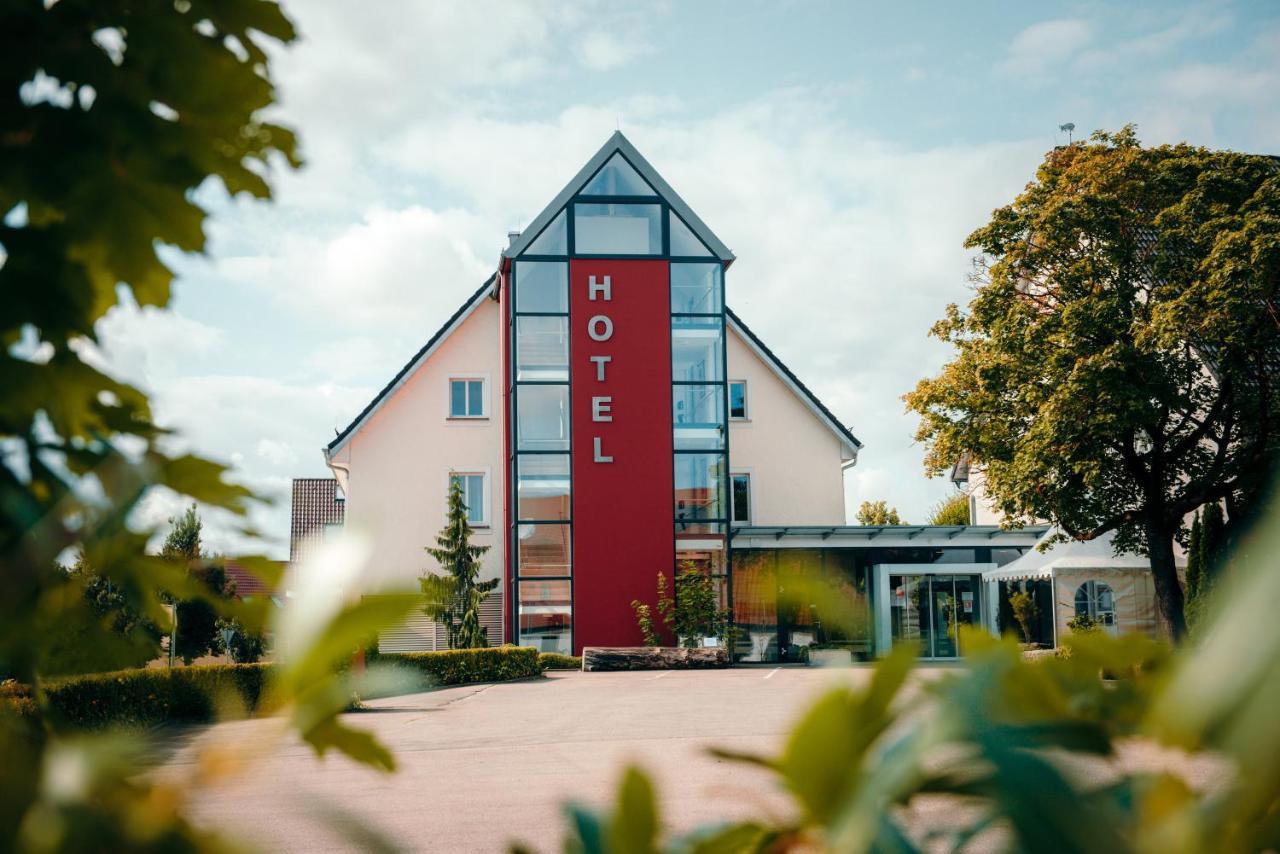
column 698, row 415
column 738, row 400
column 617, row 229
column 697, row 348
column 1095, row 599
column 542, row 418
column 466, row 399
column 699, row 486
column 331, row 531
column 554, row 239
column 472, row 495
column 617, row 178
column 741, row 499
column 696, row 288
column 683, row 241
column 542, row 287
column 542, row 349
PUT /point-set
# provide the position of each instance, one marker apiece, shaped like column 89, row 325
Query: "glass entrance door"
column 929, row 610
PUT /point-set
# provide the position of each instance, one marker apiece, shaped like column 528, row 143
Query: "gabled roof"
column 619, row 143
column 412, row 365
column 753, row 341
column 793, row 382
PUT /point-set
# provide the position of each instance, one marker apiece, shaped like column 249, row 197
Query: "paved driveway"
column 483, row 766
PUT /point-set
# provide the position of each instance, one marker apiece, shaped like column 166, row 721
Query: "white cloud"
column 394, row 270
column 849, row 247
column 1042, row 47
column 604, row 51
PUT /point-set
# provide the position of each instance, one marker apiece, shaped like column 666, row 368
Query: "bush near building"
column 142, row 698
column 460, row 666
column 147, row 697
column 559, row 661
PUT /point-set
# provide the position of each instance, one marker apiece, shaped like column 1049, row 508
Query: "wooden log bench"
column 602, row 658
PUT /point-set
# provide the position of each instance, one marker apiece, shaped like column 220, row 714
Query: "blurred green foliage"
column 116, row 118
column 1005, row 739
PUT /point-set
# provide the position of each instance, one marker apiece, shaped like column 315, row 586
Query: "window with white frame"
column 466, row 398
column 473, row 494
column 1095, row 599
column 741, row 498
column 738, row 400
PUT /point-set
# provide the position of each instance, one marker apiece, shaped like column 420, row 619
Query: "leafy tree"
column 454, row 599
column 1025, row 611
column 1114, row 370
column 246, row 646
column 878, row 513
column 951, row 511
column 113, row 113
column 196, row 624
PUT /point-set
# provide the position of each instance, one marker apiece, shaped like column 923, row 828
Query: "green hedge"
column 557, row 661
column 460, row 666
column 146, row 697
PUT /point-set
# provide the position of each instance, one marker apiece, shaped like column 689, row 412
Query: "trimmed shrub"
column 460, row 666
column 147, row 697
column 557, row 661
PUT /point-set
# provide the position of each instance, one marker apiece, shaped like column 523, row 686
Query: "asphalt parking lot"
column 483, row 766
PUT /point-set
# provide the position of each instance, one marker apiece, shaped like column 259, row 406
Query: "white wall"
column 792, row 456
column 399, row 461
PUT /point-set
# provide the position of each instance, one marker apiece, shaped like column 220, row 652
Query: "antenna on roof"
column 1067, row 129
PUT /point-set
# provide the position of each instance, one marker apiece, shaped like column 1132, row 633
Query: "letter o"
column 600, row 321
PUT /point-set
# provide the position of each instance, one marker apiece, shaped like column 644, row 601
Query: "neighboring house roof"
column 246, row 582
column 615, row 144
column 793, row 382
column 413, row 364
column 753, row 341
column 317, row 502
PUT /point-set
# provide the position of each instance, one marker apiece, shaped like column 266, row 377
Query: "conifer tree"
column 454, row 598
column 1212, row 542
column 1195, row 568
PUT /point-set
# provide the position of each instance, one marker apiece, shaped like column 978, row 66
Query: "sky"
column 842, row 150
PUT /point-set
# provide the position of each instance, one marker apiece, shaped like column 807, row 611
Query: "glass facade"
column 616, row 213
column 787, row 600
column 542, row 519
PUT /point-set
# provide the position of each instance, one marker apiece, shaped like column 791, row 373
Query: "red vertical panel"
column 622, row 530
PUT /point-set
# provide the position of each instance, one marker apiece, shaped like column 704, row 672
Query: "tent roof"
column 1075, row 554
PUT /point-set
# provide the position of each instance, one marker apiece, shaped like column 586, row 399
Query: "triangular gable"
column 606, row 174
column 789, row 379
column 403, row 376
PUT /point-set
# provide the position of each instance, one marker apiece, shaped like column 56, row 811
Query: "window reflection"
column 696, row 288
column 542, row 348
column 542, row 486
column 698, row 413
column 542, row 416
column 617, row 229
column 543, row 549
column 700, row 486
column 544, row 615
column 542, row 286
column 697, row 347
